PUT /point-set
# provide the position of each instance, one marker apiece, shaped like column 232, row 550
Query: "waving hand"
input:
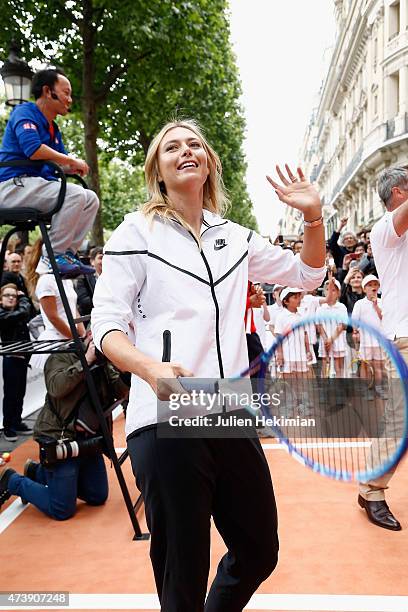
column 297, row 192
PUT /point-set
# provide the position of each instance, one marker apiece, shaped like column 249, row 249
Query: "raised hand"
column 297, row 192
column 346, row 261
column 257, row 299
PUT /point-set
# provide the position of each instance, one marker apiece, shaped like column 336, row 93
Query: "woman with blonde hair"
column 177, row 266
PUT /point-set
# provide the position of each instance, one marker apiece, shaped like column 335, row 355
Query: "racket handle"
column 188, row 383
column 197, row 384
column 166, row 345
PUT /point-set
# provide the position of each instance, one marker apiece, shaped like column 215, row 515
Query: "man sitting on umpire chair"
column 68, row 432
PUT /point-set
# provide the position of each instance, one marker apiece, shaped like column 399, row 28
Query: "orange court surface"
column 331, row 558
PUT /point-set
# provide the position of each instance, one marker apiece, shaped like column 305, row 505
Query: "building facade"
column 361, row 123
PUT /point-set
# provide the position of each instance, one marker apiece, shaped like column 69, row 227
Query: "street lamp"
column 17, row 75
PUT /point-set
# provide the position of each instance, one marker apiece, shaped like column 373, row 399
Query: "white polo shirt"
column 391, row 258
column 364, row 311
column 294, row 347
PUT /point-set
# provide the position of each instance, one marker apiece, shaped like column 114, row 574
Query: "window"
column 393, row 95
column 394, row 20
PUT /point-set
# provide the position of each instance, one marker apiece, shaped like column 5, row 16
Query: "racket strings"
column 340, row 419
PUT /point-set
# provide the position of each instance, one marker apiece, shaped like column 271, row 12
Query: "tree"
column 123, row 190
column 135, row 64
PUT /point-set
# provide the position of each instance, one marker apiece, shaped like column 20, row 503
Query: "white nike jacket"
column 156, row 278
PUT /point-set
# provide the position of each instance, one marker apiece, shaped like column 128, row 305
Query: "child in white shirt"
column 369, row 311
column 332, row 342
column 294, row 353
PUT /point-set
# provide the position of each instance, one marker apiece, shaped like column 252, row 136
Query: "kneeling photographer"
column 67, row 430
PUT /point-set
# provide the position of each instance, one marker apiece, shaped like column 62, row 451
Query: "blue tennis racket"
column 330, row 416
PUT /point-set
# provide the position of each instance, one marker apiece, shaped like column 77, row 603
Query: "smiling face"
column 182, row 160
column 356, row 280
column 349, row 240
column 60, row 105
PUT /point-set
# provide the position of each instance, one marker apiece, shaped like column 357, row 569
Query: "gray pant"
column 394, row 426
column 71, row 224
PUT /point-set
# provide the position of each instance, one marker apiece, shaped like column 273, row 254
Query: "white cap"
column 277, row 286
column 336, row 282
column 288, row 290
column 368, row 279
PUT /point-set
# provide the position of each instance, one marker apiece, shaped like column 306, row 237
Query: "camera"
column 52, row 451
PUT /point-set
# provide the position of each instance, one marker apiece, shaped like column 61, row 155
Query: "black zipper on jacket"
column 217, row 314
column 214, row 297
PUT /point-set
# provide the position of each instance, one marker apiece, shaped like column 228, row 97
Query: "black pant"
column 255, row 347
column 14, row 382
column 186, row 481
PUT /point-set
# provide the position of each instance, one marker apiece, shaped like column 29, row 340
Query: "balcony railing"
column 393, row 128
column 349, row 171
column 397, row 42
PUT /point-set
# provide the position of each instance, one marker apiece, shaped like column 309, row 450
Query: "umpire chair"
column 25, row 219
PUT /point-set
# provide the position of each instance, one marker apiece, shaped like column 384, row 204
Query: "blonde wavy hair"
column 215, row 198
column 31, row 276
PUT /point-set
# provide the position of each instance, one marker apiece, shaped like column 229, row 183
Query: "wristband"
column 314, row 223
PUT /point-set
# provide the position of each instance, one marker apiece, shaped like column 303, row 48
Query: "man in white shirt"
column 389, row 242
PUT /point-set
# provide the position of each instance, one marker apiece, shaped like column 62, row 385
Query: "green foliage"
column 133, row 65
column 123, row 190
column 3, row 121
column 122, row 184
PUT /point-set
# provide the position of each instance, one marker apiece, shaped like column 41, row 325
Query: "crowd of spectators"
column 349, row 259
column 35, row 312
